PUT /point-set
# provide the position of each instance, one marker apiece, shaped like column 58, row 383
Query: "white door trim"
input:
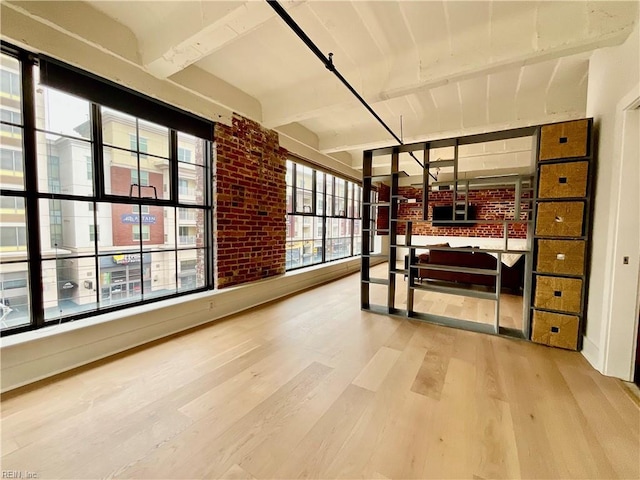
column 620, row 335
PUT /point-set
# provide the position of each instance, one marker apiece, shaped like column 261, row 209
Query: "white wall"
column 614, row 82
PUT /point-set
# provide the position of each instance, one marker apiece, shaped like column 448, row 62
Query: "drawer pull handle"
column 559, row 219
column 563, row 139
column 557, row 293
column 560, row 256
column 562, row 180
column 555, row 329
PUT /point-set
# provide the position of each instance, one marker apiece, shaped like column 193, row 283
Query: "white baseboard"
column 591, row 352
column 33, row 356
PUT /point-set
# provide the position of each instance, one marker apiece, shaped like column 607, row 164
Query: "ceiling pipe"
column 328, row 63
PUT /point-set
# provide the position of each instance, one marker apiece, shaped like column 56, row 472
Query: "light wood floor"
column 310, row 386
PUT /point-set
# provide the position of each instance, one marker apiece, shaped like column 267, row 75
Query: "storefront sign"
column 135, row 218
column 113, row 259
column 126, row 259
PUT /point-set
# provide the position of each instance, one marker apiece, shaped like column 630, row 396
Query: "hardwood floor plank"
column 449, row 451
column 430, row 378
column 402, row 449
column 612, row 390
column 266, row 458
column 611, row 430
column 318, row 448
column 532, row 440
column 402, row 335
column 489, row 378
column 236, row 472
column 356, row 457
column 214, row 414
column 265, row 422
column 568, row 432
column 273, row 393
column 497, row 452
column 374, row 373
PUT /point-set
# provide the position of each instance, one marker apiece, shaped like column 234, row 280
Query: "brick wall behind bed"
column 491, row 204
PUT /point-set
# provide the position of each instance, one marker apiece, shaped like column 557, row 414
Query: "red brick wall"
column 250, row 202
column 493, row 204
column 384, row 195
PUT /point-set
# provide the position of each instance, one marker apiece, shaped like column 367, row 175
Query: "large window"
column 99, row 211
column 323, row 217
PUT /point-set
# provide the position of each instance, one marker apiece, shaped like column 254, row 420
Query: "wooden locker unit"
column 562, row 233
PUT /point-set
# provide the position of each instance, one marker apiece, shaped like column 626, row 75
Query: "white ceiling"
column 445, row 67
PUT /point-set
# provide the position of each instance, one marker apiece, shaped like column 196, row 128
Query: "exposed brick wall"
column 250, row 203
column 491, row 204
column 384, row 195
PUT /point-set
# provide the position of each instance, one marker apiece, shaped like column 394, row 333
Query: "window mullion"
column 173, row 162
column 98, row 189
column 34, row 254
column 98, row 155
column 313, row 191
column 294, row 189
column 209, row 213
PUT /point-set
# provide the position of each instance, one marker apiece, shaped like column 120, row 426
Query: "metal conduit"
column 328, row 63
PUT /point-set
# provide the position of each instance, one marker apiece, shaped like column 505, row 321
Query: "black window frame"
column 129, row 102
column 325, row 215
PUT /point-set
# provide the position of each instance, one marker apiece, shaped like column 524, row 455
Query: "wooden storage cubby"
column 564, row 140
column 556, row 329
column 562, row 233
column 558, row 293
column 563, row 180
column 560, row 219
column 564, row 257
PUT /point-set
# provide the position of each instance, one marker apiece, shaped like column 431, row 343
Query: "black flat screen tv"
column 443, row 216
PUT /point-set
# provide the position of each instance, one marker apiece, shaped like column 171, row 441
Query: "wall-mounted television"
column 443, row 214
